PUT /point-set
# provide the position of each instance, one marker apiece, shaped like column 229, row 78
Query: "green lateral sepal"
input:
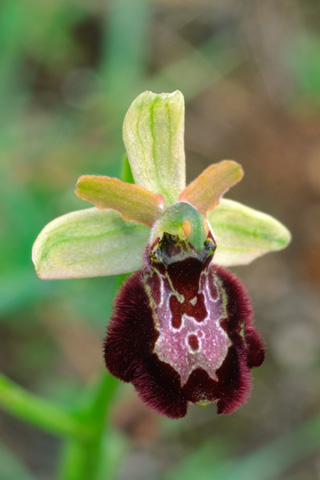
column 89, row 243
column 244, row 234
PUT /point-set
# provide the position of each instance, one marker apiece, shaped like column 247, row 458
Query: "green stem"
column 38, row 411
column 81, row 458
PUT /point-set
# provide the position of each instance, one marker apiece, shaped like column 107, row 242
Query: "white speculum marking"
column 193, row 301
column 194, row 344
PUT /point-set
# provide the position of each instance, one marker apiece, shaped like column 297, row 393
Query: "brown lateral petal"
column 133, row 202
column 205, row 191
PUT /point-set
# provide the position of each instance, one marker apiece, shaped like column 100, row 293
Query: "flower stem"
column 38, row 411
column 81, row 457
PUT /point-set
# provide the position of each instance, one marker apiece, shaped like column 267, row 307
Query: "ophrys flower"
column 182, row 326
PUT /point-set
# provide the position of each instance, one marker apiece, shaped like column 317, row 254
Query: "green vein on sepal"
column 89, row 243
column 244, row 234
column 153, row 134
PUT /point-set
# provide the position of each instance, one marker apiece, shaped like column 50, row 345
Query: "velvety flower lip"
column 182, row 329
column 182, row 332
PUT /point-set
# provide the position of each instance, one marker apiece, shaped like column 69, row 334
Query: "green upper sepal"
column 89, row 243
column 153, row 134
column 244, row 234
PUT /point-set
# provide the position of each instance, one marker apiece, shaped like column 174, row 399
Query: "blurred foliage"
column 68, row 71
column 11, row 467
column 306, row 64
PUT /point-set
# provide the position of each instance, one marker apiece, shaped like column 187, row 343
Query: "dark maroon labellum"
column 182, row 331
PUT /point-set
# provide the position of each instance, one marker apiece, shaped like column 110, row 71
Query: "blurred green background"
column 250, row 73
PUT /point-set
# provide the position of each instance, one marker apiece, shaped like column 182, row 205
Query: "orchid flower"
column 182, row 328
